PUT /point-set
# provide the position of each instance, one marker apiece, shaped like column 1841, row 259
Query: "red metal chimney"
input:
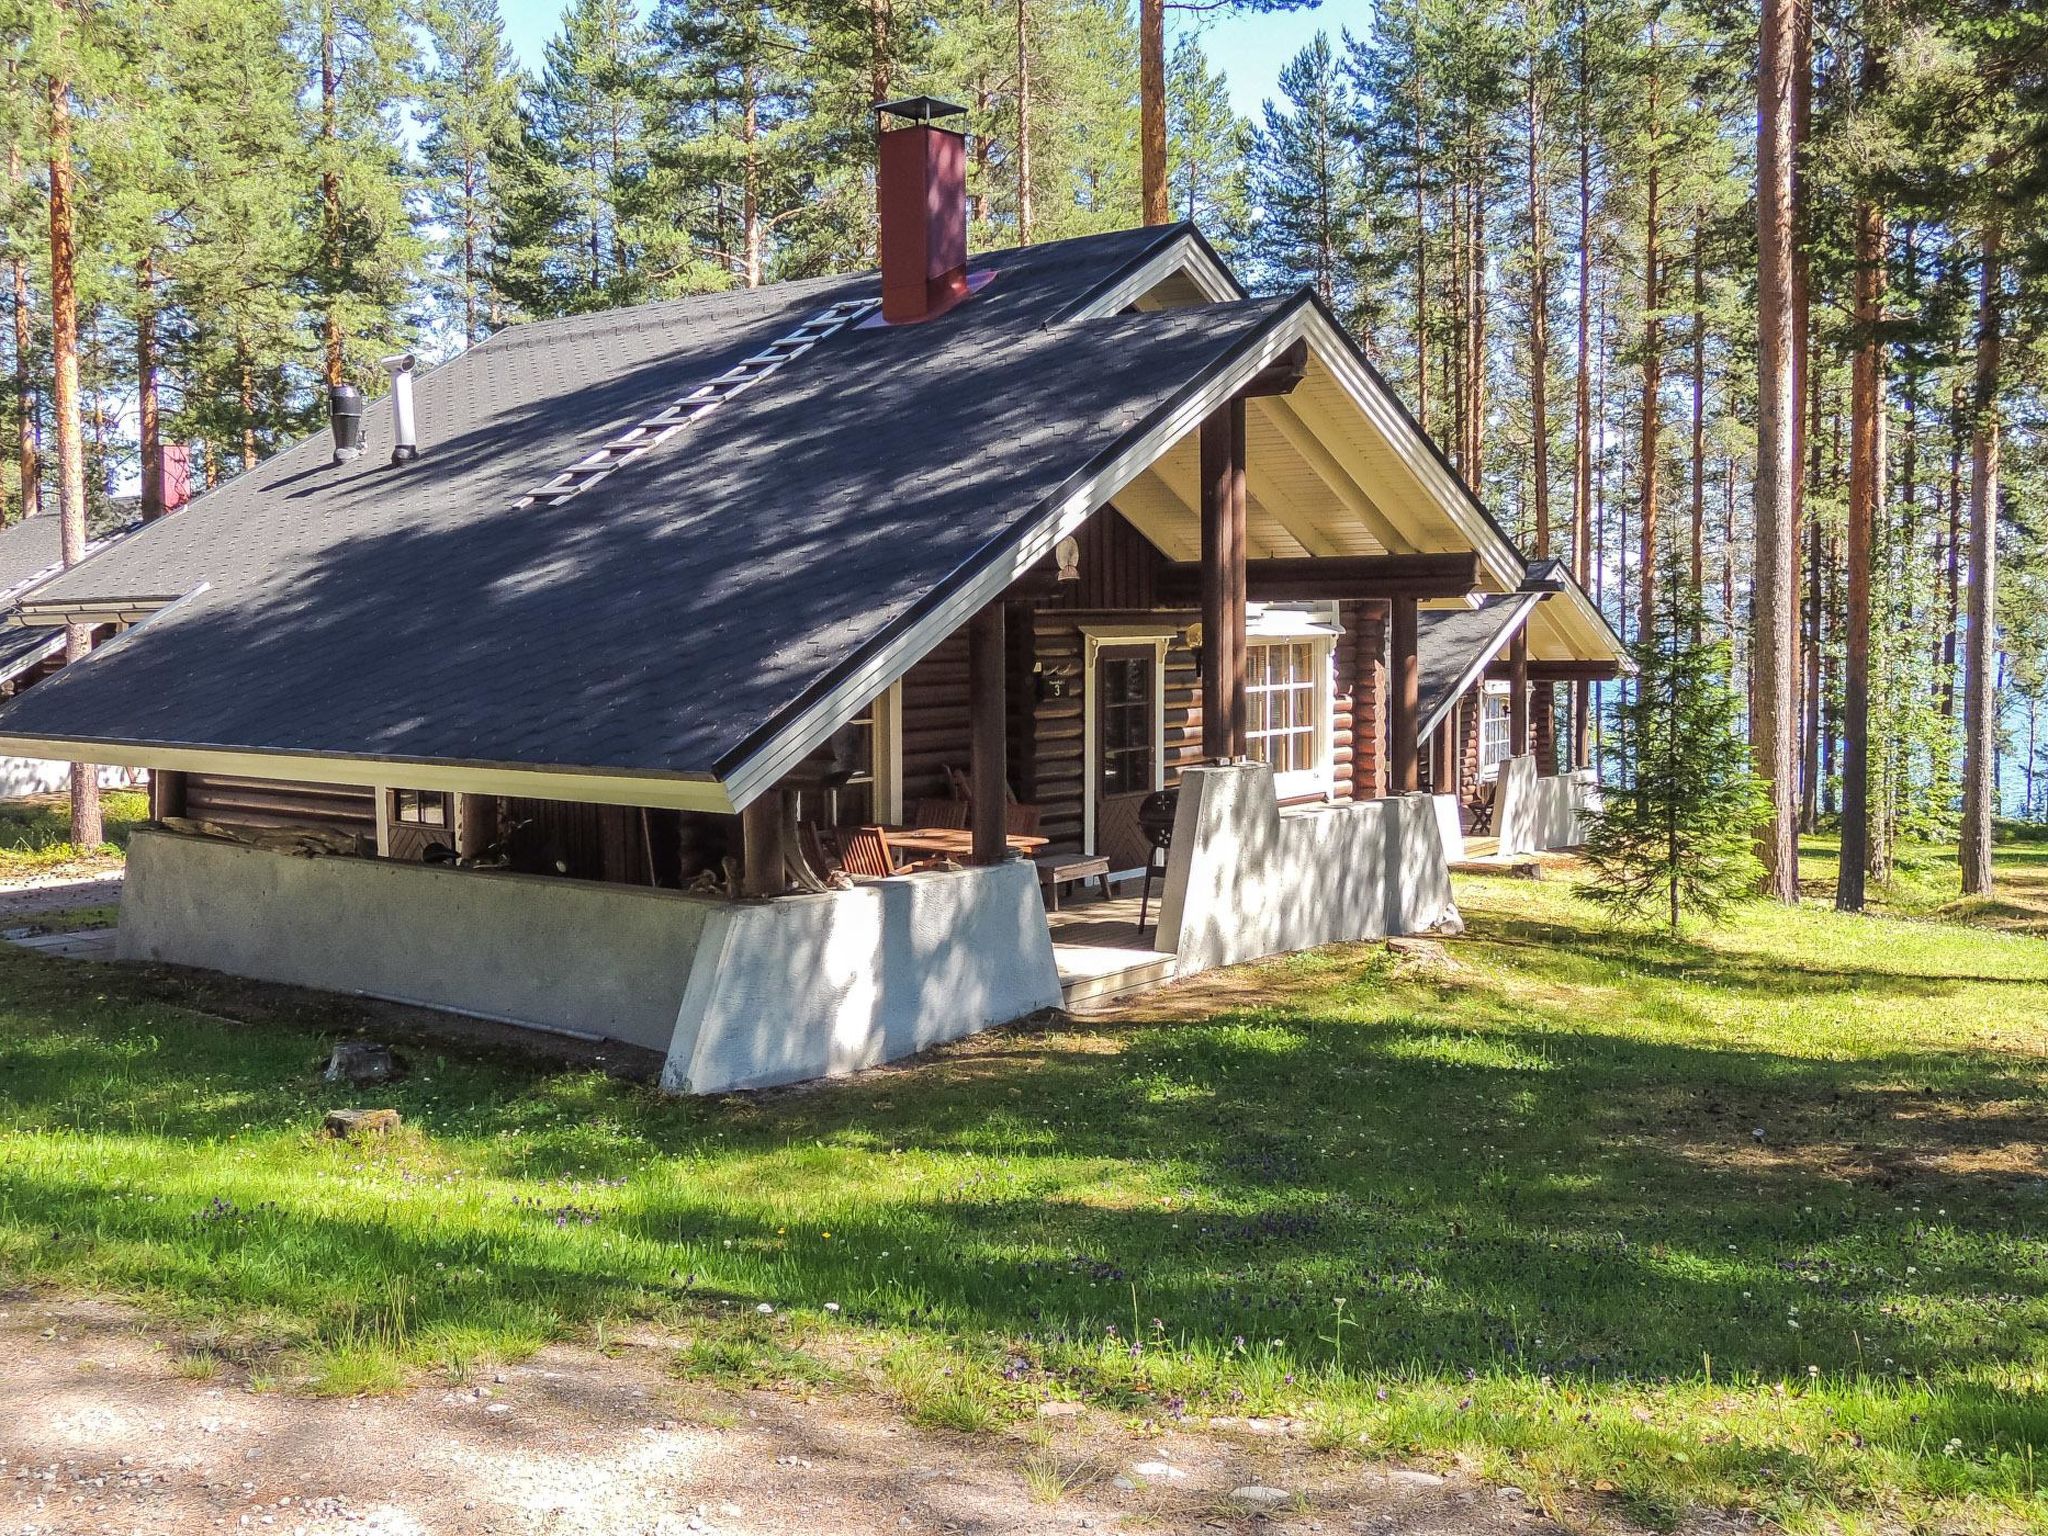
column 177, row 475
column 921, row 194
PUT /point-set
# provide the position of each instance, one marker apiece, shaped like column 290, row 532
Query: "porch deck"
column 1100, row 953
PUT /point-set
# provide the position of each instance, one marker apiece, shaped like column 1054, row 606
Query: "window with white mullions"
column 1493, row 733
column 1282, row 684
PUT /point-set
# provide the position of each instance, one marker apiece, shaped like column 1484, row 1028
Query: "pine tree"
column 1309, row 187
column 573, row 236
column 1675, row 835
column 355, row 56
column 737, row 153
column 469, row 113
column 1206, row 149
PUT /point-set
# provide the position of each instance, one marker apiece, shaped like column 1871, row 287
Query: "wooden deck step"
column 1095, row 978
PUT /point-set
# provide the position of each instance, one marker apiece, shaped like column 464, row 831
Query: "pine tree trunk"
column 1952, row 573
column 469, row 269
column 248, row 405
column 1653, row 378
column 330, row 192
column 1772, row 647
column 1582, row 382
column 1539, row 325
column 750, row 185
column 1475, row 344
column 1699, row 408
column 85, row 794
column 1152, row 109
column 1805, row 672
column 147, row 404
column 1980, row 712
column 1810, row 695
column 1866, row 473
column 1024, row 208
column 1421, row 267
column 26, row 459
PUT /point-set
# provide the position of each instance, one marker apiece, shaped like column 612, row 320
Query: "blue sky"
column 1249, row 49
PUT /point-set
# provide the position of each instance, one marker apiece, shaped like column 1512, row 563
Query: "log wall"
column 243, row 802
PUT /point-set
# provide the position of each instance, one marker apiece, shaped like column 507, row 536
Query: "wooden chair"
column 1020, row 820
column 948, row 814
column 1482, row 807
column 865, row 851
column 1155, row 821
column 811, row 848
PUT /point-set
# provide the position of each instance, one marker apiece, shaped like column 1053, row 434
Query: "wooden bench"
column 1058, row 869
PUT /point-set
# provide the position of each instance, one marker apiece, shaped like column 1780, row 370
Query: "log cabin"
column 747, row 676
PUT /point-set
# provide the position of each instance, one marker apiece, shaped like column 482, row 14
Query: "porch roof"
column 1454, row 646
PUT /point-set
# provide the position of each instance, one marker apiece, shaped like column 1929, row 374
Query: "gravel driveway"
column 101, row 1430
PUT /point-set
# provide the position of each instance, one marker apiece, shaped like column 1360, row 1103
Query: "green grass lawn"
column 1756, row 1218
column 35, row 833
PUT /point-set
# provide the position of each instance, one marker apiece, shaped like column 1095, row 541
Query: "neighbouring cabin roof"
column 32, row 549
column 679, row 633
column 29, row 548
column 1453, row 646
column 22, row 648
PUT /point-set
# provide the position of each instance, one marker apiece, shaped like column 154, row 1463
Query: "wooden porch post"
column 166, row 793
column 1518, row 694
column 761, row 840
column 1582, row 722
column 1223, row 582
column 1404, row 705
column 988, row 717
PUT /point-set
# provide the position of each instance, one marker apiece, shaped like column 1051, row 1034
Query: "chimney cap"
column 920, row 109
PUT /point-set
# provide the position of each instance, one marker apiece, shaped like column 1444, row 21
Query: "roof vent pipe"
column 921, row 196
column 345, row 416
column 404, row 437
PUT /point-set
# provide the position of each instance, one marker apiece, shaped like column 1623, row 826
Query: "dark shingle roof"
column 1453, row 644
column 28, row 549
column 663, row 621
column 22, row 648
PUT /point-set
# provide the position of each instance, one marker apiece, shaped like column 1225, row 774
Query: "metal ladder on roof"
column 700, row 402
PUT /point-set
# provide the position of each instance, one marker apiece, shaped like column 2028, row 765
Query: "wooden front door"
column 1126, row 749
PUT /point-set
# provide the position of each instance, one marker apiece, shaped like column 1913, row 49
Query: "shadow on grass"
column 1488, row 1188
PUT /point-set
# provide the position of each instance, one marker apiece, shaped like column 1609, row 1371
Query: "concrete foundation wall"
column 566, row 954
column 1245, row 880
column 1450, row 826
column 1541, row 813
column 734, row 994
column 814, row 986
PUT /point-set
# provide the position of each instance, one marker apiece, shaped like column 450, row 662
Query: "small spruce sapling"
column 1677, row 830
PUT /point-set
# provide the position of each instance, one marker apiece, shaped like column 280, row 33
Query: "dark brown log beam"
column 166, row 793
column 1280, row 376
column 761, row 841
column 1518, row 693
column 1404, row 702
column 1560, row 671
column 1220, row 581
column 988, row 726
column 1335, row 577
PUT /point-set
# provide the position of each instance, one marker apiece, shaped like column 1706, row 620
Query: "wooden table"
column 951, row 842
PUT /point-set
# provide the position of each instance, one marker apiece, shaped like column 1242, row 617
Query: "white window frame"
column 1317, row 627
column 1493, row 701
column 1119, row 636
